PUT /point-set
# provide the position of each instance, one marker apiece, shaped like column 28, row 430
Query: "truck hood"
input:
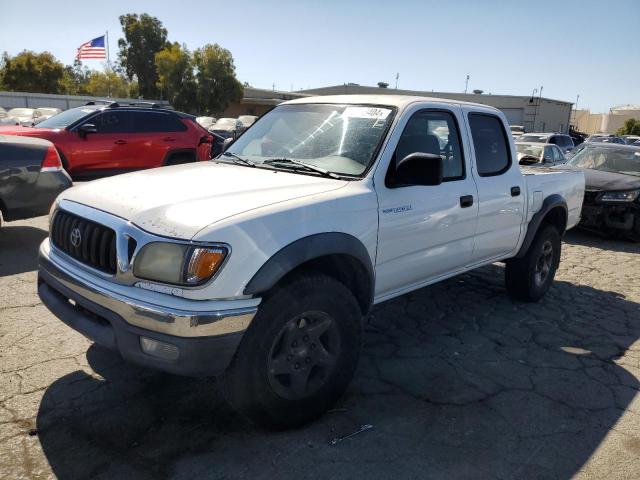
column 181, row 200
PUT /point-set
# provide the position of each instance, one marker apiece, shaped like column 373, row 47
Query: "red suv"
column 112, row 137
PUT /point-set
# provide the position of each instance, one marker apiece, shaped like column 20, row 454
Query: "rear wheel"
column 299, row 354
column 528, row 278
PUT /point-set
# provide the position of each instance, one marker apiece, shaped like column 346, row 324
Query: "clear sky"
column 586, row 47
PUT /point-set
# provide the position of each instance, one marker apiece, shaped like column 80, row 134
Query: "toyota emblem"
column 75, row 237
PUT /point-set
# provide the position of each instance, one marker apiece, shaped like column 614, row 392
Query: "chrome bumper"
column 156, row 318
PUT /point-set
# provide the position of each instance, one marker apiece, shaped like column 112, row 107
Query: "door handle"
column 120, row 142
column 515, row 191
column 169, row 139
column 466, row 201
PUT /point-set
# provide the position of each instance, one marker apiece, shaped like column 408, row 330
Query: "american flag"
column 92, row 49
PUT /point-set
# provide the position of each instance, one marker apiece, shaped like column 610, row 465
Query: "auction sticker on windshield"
column 366, row 112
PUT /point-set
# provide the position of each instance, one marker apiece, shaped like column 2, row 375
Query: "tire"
column 299, row 353
column 180, row 158
column 528, row 279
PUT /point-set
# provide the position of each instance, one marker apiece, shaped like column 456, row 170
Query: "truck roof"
column 399, row 101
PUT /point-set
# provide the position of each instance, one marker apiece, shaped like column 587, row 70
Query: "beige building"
column 534, row 113
column 588, row 122
column 258, row 101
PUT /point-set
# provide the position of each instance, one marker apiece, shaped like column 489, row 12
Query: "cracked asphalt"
column 457, row 381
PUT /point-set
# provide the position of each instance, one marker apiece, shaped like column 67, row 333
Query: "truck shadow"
column 458, row 382
column 591, row 239
column 19, row 248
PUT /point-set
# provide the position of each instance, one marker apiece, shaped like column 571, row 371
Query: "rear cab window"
column 492, row 151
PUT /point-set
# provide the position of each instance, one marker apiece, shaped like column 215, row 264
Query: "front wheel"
column 528, row 279
column 299, row 354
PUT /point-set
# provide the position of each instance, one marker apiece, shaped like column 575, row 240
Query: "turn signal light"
column 204, row 263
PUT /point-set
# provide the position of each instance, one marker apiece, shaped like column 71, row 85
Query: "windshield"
column 66, row 118
column 339, row 138
column 532, row 138
column 529, row 150
column 607, row 159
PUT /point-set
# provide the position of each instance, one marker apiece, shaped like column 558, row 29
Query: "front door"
column 109, row 147
column 426, row 232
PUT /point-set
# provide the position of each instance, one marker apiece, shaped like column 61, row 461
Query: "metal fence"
column 36, row 100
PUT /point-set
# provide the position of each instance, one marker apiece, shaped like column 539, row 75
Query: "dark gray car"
column 31, row 177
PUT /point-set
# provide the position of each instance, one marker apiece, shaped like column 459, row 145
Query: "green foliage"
column 144, row 36
column 176, row 81
column 32, row 72
column 631, row 127
column 216, row 78
column 99, row 84
column 74, row 79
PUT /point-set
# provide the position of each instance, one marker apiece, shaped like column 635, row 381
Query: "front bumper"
column 205, row 341
column 609, row 217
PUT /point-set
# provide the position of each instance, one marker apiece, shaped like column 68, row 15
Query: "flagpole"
column 108, row 64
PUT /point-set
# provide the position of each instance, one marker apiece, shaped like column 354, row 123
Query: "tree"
column 32, row 72
column 175, row 77
column 144, row 36
column 631, row 127
column 216, row 79
column 99, row 84
column 74, row 79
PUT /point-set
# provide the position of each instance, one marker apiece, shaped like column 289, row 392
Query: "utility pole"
column 397, row 77
column 575, row 112
column 466, row 84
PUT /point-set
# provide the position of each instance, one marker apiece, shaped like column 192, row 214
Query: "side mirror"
column 227, row 143
column 419, row 169
column 83, row 130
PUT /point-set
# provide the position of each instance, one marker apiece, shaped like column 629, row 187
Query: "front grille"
column 95, row 244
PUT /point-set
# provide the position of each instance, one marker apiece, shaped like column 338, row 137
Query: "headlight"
column 178, row 264
column 619, row 196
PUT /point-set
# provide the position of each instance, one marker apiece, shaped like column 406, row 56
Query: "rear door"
column 155, row 135
column 501, row 189
column 425, row 231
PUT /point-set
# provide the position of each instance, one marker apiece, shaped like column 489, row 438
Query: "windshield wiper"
column 284, row 162
column 239, row 158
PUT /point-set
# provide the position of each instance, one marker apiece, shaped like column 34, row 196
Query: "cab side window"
column 490, row 143
column 149, row 122
column 112, row 122
column 435, row 132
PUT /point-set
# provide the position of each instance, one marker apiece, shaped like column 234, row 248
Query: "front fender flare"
column 304, row 250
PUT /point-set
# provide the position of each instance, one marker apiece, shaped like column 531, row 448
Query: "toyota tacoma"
column 263, row 263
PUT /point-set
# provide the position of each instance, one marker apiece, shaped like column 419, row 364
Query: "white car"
column 42, row 113
column 22, row 116
column 263, row 263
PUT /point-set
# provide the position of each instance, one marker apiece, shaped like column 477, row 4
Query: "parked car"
column 225, row 127
column 605, row 138
column 42, row 113
column 264, row 263
column 245, row 121
column 530, row 153
column 612, row 190
column 516, row 130
column 22, row 116
column 630, row 139
column 206, row 122
column 99, row 139
column 31, row 177
column 562, row 140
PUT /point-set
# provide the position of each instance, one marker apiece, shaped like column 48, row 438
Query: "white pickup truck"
column 262, row 263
